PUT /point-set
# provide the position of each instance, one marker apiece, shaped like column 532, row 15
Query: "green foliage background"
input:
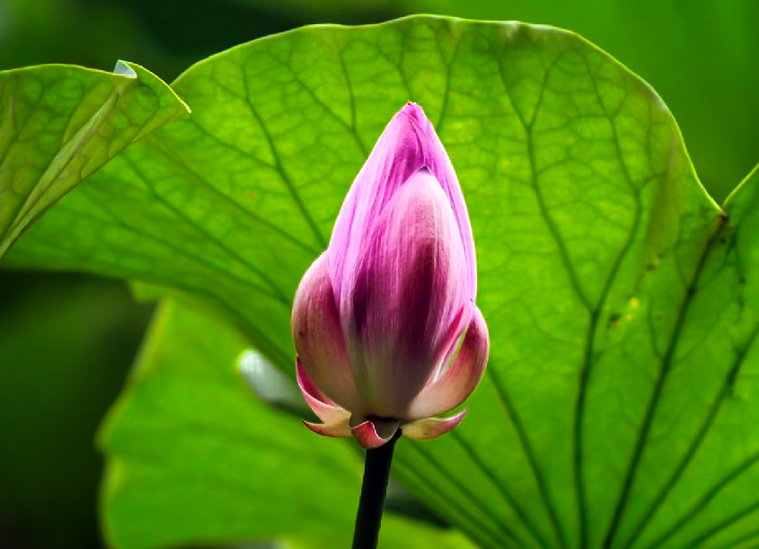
column 700, row 59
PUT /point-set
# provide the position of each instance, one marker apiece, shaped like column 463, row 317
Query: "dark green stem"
column 373, row 490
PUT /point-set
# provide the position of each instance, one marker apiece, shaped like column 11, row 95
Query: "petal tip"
column 335, row 430
column 375, row 432
column 427, row 429
column 414, row 112
column 412, row 108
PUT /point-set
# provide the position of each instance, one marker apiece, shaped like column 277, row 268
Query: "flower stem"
column 373, row 490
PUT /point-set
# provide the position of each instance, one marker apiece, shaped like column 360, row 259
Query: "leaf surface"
column 681, row 52
column 620, row 402
column 59, row 124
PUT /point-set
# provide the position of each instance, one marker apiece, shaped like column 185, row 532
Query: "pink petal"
column 339, row 429
column 452, row 338
column 373, row 432
column 405, row 297
column 318, row 337
column 425, row 429
column 458, row 382
column 323, row 407
column 408, row 143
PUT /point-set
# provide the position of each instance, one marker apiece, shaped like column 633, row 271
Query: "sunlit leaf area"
column 169, row 170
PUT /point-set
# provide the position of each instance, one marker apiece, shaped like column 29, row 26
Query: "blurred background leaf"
column 701, row 56
column 65, row 345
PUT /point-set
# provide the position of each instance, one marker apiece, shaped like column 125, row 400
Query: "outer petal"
column 323, row 407
column 319, row 339
column 373, row 432
column 408, row 143
column 406, row 296
column 425, row 429
column 458, row 382
column 338, row 429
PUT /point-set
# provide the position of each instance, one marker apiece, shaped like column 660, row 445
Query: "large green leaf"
column 693, row 52
column 620, row 404
column 59, row 124
column 195, row 457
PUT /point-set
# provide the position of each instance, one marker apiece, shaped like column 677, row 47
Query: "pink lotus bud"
column 384, row 321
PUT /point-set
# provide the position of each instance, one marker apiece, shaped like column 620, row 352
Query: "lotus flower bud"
column 384, row 321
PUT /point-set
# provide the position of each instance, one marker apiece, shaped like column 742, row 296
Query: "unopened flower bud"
column 384, row 321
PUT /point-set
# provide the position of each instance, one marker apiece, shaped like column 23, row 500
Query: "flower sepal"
column 370, row 432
